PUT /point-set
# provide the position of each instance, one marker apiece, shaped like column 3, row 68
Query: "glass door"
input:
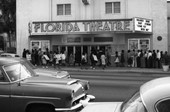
column 70, row 50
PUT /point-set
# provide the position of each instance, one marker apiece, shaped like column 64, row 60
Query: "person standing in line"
column 24, row 53
column 28, row 55
column 142, row 59
column 33, row 57
column 154, row 59
column 71, row 59
column 108, row 58
column 133, row 58
column 91, row 59
column 129, row 59
column 165, row 58
column 84, row 60
column 63, row 59
column 40, row 53
column 161, row 58
column 54, row 59
column 138, row 58
column 57, row 58
column 45, row 60
column 122, row 59
column 77, row 58
column 158, row 58
column 47, row 53
column 36, row 57
column 149, row 59
column 94, row 60
column 117, row 59
column 146, row 59
column 51, row 56
column 103, row 60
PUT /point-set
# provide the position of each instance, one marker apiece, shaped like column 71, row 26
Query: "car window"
column 134, row 104
column 17, row 71
column 2, row 77
column 163, row 106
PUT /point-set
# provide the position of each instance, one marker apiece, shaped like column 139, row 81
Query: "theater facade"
column 84, row 25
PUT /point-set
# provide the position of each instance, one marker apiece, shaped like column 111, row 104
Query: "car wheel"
column 41, row 109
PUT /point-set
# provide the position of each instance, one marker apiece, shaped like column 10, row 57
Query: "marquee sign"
column 143, row 25
column 91, row 26
column 65, row 27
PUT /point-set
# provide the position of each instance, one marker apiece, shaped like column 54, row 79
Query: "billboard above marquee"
column 90, row 26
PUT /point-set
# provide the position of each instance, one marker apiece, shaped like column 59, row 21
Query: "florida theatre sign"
column 88, row 26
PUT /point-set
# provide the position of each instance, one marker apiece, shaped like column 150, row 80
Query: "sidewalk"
column 114, row 69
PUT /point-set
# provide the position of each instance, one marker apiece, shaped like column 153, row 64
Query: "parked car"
column 1, row 51
column 39, row 71
column 153, row 96
column 8, row 55
column 48, row 72
column 22, row 90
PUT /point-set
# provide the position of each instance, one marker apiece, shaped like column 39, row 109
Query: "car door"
column 4, row 93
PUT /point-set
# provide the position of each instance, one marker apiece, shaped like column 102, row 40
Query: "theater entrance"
column 81, row 49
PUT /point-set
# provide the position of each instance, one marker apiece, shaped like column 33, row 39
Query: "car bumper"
column 78, row 106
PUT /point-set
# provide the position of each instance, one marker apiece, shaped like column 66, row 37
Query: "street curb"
column 122, row 70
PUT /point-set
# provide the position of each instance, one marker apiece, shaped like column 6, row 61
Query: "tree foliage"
column 8, row 15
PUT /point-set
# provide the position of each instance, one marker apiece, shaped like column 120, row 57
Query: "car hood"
column 103, row 107
column 56, row 74
column 49, row 80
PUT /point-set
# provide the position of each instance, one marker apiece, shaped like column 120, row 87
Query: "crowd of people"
column 147, row 59
column 131, row 58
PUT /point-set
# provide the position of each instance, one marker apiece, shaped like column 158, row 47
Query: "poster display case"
column 139, row 44
column 43, row 44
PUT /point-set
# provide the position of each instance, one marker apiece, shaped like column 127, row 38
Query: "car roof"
column 9, row 54
column 154, row 91
column 9, row 60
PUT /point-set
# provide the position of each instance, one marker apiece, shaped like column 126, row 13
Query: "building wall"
column 45, row 10
column 159, row 15
column 29, row 10
column 168, row 13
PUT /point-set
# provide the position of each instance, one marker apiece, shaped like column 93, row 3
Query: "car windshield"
column 134, row 104
column 18, row 71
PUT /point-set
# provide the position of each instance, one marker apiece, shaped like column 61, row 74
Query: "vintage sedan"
column 22, row 90
column 153, row 96
column 8, row 55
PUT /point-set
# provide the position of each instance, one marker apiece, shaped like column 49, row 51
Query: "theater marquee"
column 61, row 27
column 88, row 26
column 143, row 25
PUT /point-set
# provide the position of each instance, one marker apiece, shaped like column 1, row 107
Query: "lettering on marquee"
column 143, row 25
column 84, row 26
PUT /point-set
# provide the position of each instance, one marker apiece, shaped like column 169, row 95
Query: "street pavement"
column 112, row 69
